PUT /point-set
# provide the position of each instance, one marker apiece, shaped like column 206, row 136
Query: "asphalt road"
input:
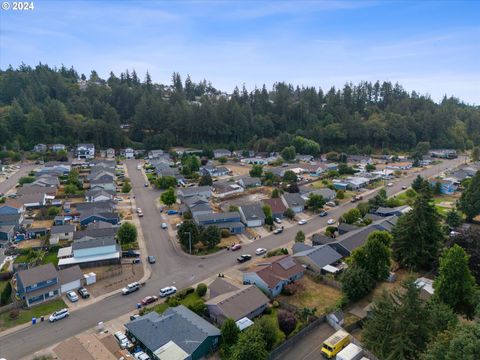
column 171, row 268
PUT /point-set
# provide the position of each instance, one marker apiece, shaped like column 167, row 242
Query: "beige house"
column 61, row 232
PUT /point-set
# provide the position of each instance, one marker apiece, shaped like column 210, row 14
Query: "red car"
column 149, row 299
column 236, row 247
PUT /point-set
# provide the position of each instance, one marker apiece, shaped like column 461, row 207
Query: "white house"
column 85, row 151
column 61, row 232
column 218, row 153
column 252, row 215
column 58, row 147
column 129, row 153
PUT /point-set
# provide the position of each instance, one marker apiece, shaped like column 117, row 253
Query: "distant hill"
column 45, row 105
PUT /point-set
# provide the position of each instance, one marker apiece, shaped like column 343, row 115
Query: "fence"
column 294, row 339
column 110, row 273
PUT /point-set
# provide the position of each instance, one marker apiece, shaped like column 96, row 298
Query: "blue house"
column 227, row 220
column 447, row 186
column 88, row 217
column 178, row 333
column 38, row 284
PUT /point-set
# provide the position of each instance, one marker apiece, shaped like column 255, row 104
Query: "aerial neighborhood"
column 293, row 239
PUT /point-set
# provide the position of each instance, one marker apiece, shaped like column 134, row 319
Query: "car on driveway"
column 302, row 222
column 58, row 315
column 331, row 221
column 390, row 184
column 236, row 247
column 323, row 213
column 131, row 288
column 149, row 299
column 83, row 293
column 172, row 212
column 166, row 291
column 278, row 231
column 72, row 296
column 151, row 259
column 277, row 220
column 131, row 254
column 244, row 257
column 164, row 225
column 331, row 204
column 134, row 316
column 260, row 251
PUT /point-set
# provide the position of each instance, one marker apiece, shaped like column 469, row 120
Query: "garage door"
column 70, row 286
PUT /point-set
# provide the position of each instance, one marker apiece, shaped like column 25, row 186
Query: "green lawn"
column 51, row 257
column 190, row 299
column 26, row 315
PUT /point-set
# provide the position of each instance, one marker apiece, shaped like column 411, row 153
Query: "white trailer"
column 350, row 352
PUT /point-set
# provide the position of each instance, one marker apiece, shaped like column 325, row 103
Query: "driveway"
column 309, row 346
column 172, row 267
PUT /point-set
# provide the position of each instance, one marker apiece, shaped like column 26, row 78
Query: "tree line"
column 51, row 105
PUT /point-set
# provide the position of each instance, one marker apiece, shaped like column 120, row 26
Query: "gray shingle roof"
column 253, row 212
column 37, row 274
column 178, row 324
column 322, row 255
column 87, row 243
column 218, row 216
column 293, row 199
column 70, row 274
column 60, row 229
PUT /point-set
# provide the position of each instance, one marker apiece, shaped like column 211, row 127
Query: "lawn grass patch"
column 26, row 315
column 189, row 300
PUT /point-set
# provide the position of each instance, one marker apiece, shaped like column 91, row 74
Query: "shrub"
column 225, row 233
column 275, row 304
column 268, row 310
column 291, row 289
column 189, row 290
column 198, row 307
column 6, row 293
column 201, row 289
column 340, row 194
column 286, row 321
column 15, row 313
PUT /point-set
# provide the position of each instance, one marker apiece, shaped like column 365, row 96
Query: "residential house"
column 32, row 201
column 344, row 228
column 252, row 215
column 90, row 216
column 46, row 181
column 259, row 160
column 249, row 182
column 7, row 233
column 447, row 186
column 360, row 159
column 218, row 153
column 11, row 207
column 223, row 189
column 154, row 154
column 88, row 252
column 14, row 220
column 277, row 205
column 28, row 189
column 227, row 220
column 58, row 147
column 404, row 165
column 104, row 182
column 356, row 182
column 317, row 258
column 110, row 153
column 70, row 278
column 315, row 169
column 398, row 211
column 294, row 201
column 40, row 148
column 214, row 171
column 85, row 151
column 197, row 205
column 99, row 195
column 61, row 232
column 241, row 302
column 326, row 193
column 44, row 282
column 426, row 287
column 443, row 153
column 272, row 275
column 108, row 206
column 129, row 153
column 178, row 333
column 304, row 158
column 321, row 239
column 204, row 191
column 54, row 169
column 96, row 230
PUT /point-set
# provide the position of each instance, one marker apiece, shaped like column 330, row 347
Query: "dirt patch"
column 129, row 273
column 229, row 241
column 26, row 244
column 313, row 295
column 238, row 169
column 42, row 223
column 72, row 349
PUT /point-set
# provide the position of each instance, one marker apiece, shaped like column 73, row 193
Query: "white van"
column 169, row 290
column 122, row 340
column 141, row 356
column 58, row 315
column 131, row 288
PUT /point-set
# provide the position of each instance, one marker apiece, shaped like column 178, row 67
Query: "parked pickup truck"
column 356, row 198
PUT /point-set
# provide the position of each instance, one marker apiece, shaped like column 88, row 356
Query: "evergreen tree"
column 205, row 180
column 455, row 285
column 470, row 200
column 168, row 197
column 315, row 202
column 300, row 237
column 417, row 236
column 374, row 255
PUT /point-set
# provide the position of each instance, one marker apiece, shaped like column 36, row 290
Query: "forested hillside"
column 45, row 105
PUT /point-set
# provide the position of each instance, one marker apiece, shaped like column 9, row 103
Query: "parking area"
column 308, row 347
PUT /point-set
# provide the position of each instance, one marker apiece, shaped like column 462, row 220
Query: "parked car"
column 331, row 221
column 131, row 288
column 122, row 340
column 149, row 299
column 136, row 261
column 244, row 257
column 118, row 199
column 331, row 204
column 323, row 213
column 302, row 222
column 139, row 212
column 278, row 231
column 151, row 259
column 72, row 296
column 277, row 220
column 404, row 187
column 166, row 291
column 260, row 251
column 390, row 184
column 172, row 212
column 58, row 315
column 134, row 316
column 146, row 184
column 83, row 293
column 236, row 247
column 356, row 198
column 141, row 356
column 130, row 253
column 164, row 225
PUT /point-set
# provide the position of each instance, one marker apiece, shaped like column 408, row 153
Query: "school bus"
column 335, row 343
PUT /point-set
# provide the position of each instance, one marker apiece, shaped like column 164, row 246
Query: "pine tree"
column 470, row 200
column 417, row 236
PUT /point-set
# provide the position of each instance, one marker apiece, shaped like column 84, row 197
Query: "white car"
column 260, row 251
column 277, row 220
column 302, row 222
column 331, row 221
column 72, row 296
column 131, row 288
column 169, row 290
column 141, row 356
column 122, row 340
column 164, row 225
column 390, row 184
column 58, row 315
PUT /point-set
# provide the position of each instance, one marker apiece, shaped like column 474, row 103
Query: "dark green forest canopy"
column 45, row 105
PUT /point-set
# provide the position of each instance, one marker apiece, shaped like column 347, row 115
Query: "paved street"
column 171, row 268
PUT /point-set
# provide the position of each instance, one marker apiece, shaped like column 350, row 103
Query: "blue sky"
column 431, row 47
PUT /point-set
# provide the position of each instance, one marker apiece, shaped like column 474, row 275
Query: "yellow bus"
column 335, row 343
